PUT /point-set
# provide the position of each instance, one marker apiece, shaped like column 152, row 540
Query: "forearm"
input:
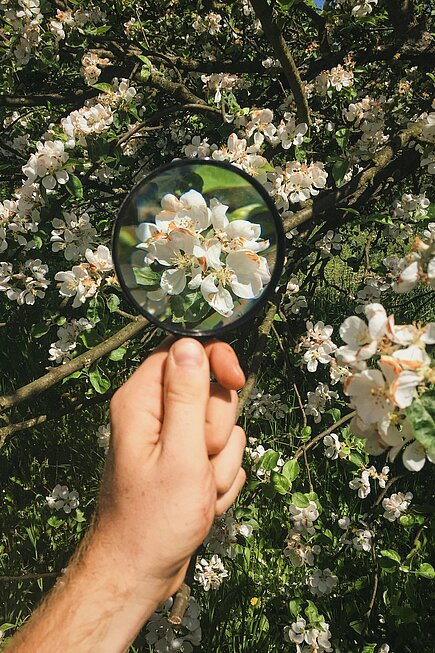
column 97, row 606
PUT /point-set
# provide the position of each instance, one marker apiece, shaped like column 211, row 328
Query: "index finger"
column 224, row 364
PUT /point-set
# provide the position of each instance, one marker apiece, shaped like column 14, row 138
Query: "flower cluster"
column 380, row 396
column 417, row 266
column 264, row 405
column 47, row 165
column 208, row 24
column 84, row 280
column 72, row 235
column 296, row 182
column 298, row 551
column 223, row 534
column 61, row 498
column 329, row 244
column 304, row 518
column 396, row 505
column 62, row 350
column 314, row 640
column 218, row 82
column 333, row 447
column 16, row 226
column 368, row 115
column 86, row 122
column 210, row 575
column 322, row 581
column 91, row 67
column 195, row 247
column 317, row 344
column 164, row 638
column 337, row 78
column 26, row 20
column 318, row 400
column 362, row 483
column 406, row 212
column 26, row 285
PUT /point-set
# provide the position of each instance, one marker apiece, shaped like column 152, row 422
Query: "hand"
column 174, row 461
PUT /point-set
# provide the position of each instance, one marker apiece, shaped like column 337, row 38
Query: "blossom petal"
column 173, row 281
column 414, row 457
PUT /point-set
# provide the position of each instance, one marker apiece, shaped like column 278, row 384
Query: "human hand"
column 173, row 463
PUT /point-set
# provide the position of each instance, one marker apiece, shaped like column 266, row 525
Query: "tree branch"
column 48, row 99
column 276, row 39
column 10, row 429
column 47, row 574
column 84, row 360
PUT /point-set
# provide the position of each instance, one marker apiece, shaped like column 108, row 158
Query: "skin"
column 174, row 463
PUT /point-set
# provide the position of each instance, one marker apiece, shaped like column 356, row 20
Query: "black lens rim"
column 276, row 274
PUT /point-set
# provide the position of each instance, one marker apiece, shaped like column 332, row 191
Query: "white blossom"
column 304, row 518
column 47, row 165
column 322, row 581
column 61, row 498
column 362, row 540
column 396, row 505
column 210, row 574
column 103, row 436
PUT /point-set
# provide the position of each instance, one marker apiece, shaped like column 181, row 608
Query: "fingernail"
column 187, row 352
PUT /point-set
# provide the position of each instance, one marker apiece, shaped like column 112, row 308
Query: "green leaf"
column 291, row 470
column 389, row 559
column 40, row 329
column 357, row 626
column 342, row 137
column 295, row 607
column 95, row 309
column 74, row 186
column 117, row 354
column 339, row 169
column 368, row 648
column 426, row 570
column 280, row 483
column 79, row 516
column 55, row 521
column 311, row 612
column 99, row 381
column 113, row 302
column 300, row 500
column 103, row 86
column 411, row 520
column 421, row 414
column 146, row 277
column 6, row 626
column 269, row 459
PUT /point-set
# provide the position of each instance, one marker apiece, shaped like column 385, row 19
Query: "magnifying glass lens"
column 197, row 247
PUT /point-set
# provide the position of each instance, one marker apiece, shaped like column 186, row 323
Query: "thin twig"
column 314, row 441
column 301, row 406
column 386, row 488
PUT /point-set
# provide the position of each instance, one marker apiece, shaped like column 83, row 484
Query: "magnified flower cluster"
column 195, row 247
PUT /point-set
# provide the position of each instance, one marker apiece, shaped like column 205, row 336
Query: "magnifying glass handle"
column 181, row 599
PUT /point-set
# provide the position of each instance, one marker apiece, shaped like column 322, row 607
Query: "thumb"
column 186, row 394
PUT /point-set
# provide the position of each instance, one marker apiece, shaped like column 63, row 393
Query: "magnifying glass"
column 198, row 247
